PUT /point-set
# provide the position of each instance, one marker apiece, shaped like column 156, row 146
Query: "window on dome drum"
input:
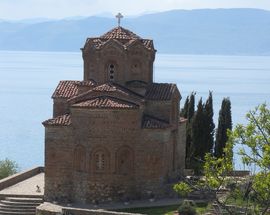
column 111, row 71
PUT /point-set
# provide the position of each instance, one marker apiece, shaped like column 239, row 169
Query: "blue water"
column 28, row 80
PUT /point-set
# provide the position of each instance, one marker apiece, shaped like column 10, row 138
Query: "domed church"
column 116, row 134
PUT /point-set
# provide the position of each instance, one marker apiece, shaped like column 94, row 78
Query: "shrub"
column 187, row 208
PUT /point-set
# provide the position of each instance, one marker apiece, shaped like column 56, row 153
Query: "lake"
column 28, row 80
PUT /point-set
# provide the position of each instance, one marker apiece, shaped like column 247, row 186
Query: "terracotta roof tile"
column 68, row 89
column 113, row 87
column 89, row 83
column 148, row 44
column 106, row 102
column 63, row 120
column 152, row 122
column 120, row 33
column 160, row 91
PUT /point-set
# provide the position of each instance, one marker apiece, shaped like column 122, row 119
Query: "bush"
column 7, row 168
column 187, row 208
column 182, row 188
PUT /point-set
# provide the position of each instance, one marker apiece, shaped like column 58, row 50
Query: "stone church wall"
column 60, row 107
column 58, row 163
column 159, row 109
column 136, row 64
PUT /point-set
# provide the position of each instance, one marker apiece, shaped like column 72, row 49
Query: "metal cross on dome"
column 119, row 16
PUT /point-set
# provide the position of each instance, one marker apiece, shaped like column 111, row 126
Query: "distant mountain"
column 206, row 31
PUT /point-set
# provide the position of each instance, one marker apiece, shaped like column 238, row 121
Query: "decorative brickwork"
column 115, row 135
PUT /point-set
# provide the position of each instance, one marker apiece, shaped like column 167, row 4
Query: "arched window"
column 79, row 158
column 125, row 161
column 111, row 72
column 100, row 160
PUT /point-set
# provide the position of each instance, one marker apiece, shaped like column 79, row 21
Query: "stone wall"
column 16, row 178
column 51, row 209
column 136, row 63
column 60, row 107
column 68, row 211
column 58, row 163
column 136, row 162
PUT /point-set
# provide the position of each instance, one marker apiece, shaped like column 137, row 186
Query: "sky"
column 57, row 9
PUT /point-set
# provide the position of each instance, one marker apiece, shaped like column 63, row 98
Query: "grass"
column 165, row 210
column 168, row 210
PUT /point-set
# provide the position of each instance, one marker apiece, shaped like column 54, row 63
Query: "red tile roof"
column 89, row 83
column 113, row 87
column 152, row 122
column 63, row 120
column 120, row 33
column 106, row 102
column 68, row 89
column 163, row 91
column 123, row 36
column 148, row 44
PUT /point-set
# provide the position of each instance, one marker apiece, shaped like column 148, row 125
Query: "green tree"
column 255, row 139
column 190, row 104
column 184, row 110
column 224, row 124
column 255, row 152
column 7, row 168
column 209, row 124
column 198, row 131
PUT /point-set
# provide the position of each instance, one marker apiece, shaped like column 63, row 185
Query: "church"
column 115, row 135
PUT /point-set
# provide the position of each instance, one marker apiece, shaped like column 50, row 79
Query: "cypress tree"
column 198, row 131
column 184, row 110
column 224, row 123
column 190, row 103
column 209, row 124
column 191, row 106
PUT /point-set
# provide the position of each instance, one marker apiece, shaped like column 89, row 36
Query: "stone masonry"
column 116, row 135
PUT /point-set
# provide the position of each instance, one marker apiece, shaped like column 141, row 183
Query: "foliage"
column 7, row 168
column 188, row 112
column 184, row 110
column 182, row 188
column 224, row 123
column 164, row 210
column 198, row 131
column 209, row 124
column 255, row 152
column 251, row 195
column 152, row 210
column 187, row 208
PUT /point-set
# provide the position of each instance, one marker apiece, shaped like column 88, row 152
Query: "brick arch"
column 125, row 160
column 100, row 160
column 79, row 158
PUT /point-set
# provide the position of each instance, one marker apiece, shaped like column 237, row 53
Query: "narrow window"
column 100, row 161
column 111, row 71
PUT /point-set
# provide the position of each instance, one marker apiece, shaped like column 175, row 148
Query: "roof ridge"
column 105, row 101
column 64, row 120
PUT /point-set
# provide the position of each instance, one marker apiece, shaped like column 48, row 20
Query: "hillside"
column 206, row 31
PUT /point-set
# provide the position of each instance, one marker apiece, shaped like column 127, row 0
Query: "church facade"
column 116, row 134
